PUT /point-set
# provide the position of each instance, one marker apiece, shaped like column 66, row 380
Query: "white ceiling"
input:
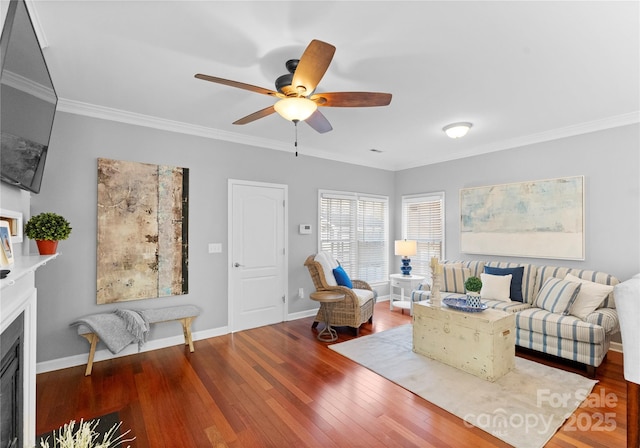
column 521, row 72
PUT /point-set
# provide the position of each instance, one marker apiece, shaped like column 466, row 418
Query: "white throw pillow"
column 557, row 295
column 328, row 265
column 590, row 296
column 496, row 287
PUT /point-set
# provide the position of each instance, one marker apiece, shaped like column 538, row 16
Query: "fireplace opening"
column 12, row 383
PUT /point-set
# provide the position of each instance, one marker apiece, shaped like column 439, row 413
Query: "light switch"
column 215, row 248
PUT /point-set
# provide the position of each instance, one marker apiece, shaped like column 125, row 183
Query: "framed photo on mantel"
column 6, row 253
column 539, row 219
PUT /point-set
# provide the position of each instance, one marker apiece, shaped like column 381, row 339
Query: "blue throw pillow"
column 342, row 277
column 516, row 280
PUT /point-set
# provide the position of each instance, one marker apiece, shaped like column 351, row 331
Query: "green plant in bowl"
column 473, row 284
column 47, row 229
column 47, row 226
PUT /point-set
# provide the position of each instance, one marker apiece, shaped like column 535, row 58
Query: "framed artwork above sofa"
column 539, row 219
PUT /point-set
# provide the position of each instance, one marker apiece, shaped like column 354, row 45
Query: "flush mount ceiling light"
column 457, row 130
column 295, row 108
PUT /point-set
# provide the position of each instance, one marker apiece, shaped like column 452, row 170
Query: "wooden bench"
column 185, row 314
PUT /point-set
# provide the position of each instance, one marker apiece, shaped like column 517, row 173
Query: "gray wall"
column 610, row 162
column 66, row 287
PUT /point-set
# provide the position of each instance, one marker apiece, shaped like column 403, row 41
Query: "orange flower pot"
column 47, row 247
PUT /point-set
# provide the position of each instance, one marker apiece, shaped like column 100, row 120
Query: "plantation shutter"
column 423, row 221
column 354, row 230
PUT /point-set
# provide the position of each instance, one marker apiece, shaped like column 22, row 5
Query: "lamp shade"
column 295, row 108
column 406, row 248
column 457, row 130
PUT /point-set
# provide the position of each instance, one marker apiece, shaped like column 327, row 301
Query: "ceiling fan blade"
column 239, row 85
column 319, row 122
column 256, row 115
column 312, row 66
column 352, row 99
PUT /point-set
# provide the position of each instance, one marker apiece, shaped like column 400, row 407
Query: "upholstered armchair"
column 627, row 297
column 357, row 306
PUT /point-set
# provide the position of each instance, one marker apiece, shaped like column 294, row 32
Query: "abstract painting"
column 540, row 219
column 142, row 231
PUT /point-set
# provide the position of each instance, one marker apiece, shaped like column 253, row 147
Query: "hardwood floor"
column 278, row 386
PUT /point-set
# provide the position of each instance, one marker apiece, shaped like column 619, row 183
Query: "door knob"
column 237, row 265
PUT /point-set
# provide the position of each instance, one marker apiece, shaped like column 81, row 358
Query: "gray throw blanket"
column 117, row 329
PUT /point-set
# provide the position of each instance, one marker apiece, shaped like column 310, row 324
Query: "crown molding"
column 37, row 26
column 136, row 119
column 28, row 86
column 107, row 113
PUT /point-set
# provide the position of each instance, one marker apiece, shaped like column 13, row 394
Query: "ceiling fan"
column 296, row 90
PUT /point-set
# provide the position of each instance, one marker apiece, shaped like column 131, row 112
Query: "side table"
column 408, row 282
column 327, row 301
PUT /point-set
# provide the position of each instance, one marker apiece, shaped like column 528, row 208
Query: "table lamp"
column 406, row 248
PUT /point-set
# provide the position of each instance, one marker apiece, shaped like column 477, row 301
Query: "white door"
column 257, row 256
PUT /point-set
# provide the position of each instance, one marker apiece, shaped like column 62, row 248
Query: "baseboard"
column 302, row 315
column 616, row 347
column 101, row 355
column 156, row 344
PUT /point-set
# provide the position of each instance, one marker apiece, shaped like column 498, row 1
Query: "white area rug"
column 523, row 408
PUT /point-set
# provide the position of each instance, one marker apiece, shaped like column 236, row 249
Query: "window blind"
column 423, row 221
column 354, row 230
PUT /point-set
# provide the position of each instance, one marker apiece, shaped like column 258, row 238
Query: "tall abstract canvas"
column 541, row 219
column 142, row 231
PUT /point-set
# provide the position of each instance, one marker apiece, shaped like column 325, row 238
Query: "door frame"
column 285, row 268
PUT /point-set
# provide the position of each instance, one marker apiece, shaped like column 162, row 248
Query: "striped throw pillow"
column 453, row 278
column 557, row 295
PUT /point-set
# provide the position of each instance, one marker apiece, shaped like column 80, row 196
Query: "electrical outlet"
column 301, row 293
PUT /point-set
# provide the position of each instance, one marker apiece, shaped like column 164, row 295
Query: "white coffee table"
column 480, row 343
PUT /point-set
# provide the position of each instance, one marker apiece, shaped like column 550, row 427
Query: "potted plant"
column 473, row 285
column 86, row 436
column 47, row 229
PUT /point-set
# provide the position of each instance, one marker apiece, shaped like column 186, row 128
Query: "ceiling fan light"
column 295, row 109
column 457, row 130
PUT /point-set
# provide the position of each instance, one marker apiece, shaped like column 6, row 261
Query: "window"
column 423, row 221
column 354, row 229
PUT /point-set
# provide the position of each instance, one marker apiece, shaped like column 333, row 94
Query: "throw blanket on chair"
column 117, row 329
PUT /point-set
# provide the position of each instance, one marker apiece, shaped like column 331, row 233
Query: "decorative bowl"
column 460, row 304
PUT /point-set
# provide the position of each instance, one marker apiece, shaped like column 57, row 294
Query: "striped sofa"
column 585, row 340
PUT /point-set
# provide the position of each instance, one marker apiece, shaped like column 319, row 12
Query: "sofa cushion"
column 476, row 267
column 342, row 278
column 544, row 272
column 421, row 293
column 509, row 306
column 496, row 287
column 590, row 296
column 557, row 295
column 516, row 279
column 571, row 328
column 530, row 272
column 453, row 278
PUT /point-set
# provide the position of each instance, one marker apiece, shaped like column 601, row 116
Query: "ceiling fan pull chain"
column 295, row 124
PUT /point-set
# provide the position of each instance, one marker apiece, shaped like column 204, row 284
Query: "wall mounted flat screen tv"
column 28, row 102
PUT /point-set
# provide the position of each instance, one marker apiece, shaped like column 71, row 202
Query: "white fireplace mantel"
column 18, row 295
